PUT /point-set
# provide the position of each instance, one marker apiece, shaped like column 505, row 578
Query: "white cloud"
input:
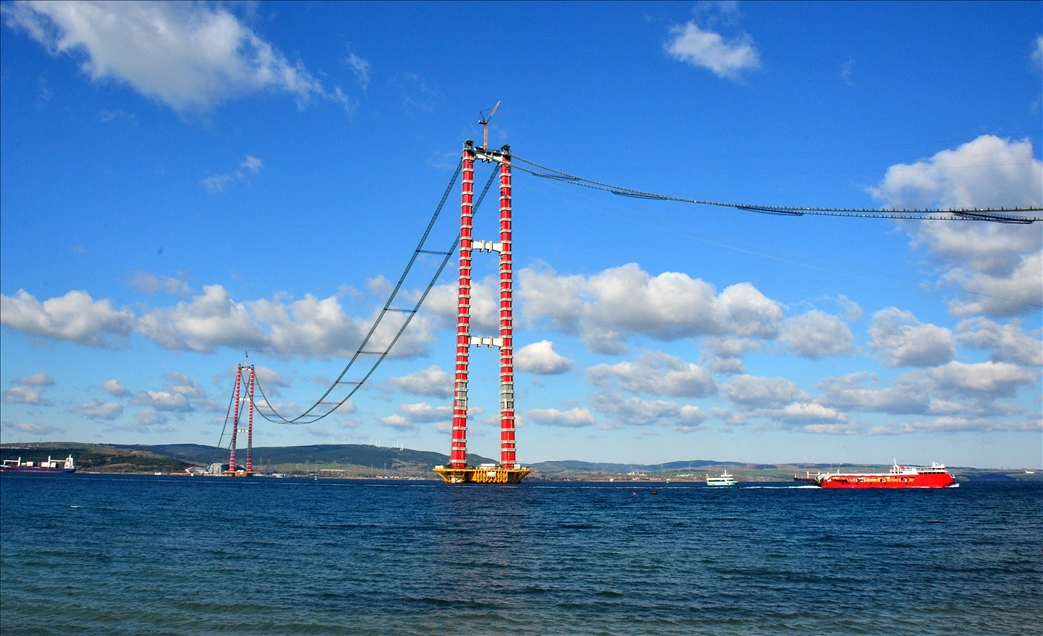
column 149, row 417
column 98, row 410
column 955, row 389
column 730, row 347
column 181, row 384
column 163, row 401
column 431, row 381
column 723, row 355
column 75, row 317
column 216, row 183
column 754, row 392
column 725, row 366
column 27, row 389
column 36, row 379
column 804, row 413
column 271, row 380
column 910, row 394
column 253, row 164
column 189, row 56
column 32, row 428
column 115, row 388
column 605, row 308
column 23, row 395
column 441, row 304
column 852, row 311
column 572, row 418
column 817, row 334
column 1007, row 294
column 995, row 263
column 637, row 412
column 691, row 418
column 397, row 422
column 424, row 412
column 704, row 48
column 985, row 379
column 1037, row 51
column 308, row 327
column 845, row 71
column 181, row 395
column 904, row 341
column 206, row 322
column 1009, row 343
column 409, row 415
column 657, row 373
column 957, row 425
column 151, row 284
column 360, row 67
column 541, row 358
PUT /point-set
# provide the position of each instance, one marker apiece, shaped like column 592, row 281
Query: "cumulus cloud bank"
column 189, row 56
column 306, row 327
column 903, row 341
column 28, row 389
column 605, row 308
column 998, row 266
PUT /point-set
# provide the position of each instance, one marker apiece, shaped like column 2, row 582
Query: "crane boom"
column 484, row 121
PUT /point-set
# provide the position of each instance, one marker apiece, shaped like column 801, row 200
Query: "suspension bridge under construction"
column 507, row 470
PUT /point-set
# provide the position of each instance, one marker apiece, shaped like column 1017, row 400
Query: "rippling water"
column 175, row 555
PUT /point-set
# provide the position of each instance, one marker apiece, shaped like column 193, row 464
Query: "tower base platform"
column 472, row 475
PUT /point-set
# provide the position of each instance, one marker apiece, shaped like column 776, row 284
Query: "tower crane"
column 484, row 121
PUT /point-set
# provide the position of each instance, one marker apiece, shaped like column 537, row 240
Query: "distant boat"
column 724, row 480
column 49, row 466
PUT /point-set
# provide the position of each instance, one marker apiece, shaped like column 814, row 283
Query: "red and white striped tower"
column 507, row 451
column 458, row 451
column 250, row 429
column 235, row 417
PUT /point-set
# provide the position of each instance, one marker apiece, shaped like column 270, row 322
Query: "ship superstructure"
column 49, row 466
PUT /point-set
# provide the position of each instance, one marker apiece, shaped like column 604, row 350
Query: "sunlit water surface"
column 94, row 554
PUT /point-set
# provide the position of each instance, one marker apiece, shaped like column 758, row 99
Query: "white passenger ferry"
column 724, row 480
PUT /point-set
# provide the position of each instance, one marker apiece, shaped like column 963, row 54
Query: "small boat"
column 724, row 480
column 49, row 466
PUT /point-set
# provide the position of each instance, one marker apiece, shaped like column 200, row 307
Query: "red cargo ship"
column 899, row 476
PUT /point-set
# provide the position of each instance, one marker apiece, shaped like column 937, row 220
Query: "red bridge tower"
column 507, row 470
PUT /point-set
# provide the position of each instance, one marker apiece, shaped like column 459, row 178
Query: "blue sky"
column 181, row 183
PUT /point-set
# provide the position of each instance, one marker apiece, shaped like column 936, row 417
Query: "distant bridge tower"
column 249, row 399
column 507, row 470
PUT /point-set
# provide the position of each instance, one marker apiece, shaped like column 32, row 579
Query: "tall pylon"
column 507, row 470
column 249, row 399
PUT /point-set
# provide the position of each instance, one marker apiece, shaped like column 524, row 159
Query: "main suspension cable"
column 995, row 215
column 308, row 417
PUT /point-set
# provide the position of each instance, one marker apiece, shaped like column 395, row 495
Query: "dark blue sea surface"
column 95, row 554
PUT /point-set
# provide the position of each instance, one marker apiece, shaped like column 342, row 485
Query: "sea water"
column 96, row 554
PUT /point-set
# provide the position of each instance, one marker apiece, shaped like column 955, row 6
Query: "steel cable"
column 280, row 419
column 995, row 215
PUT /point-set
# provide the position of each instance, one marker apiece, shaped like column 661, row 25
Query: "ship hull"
column 933, row 480
column 36, row 469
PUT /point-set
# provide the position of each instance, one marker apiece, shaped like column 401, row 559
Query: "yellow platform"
column 238, row 473
column 471, row 475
